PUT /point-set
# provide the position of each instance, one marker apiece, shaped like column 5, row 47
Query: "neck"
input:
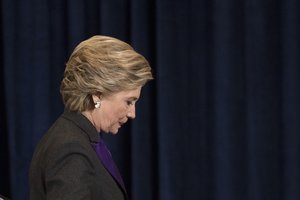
column 89, row 116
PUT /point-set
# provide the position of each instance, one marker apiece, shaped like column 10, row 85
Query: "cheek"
column 116, row 115
column 120, row 112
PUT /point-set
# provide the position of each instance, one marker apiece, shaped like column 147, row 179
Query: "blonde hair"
column 101, row 65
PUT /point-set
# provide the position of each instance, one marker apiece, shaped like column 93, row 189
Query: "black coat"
column 65, row 165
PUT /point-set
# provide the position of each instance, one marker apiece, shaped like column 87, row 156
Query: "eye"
column 129, row 103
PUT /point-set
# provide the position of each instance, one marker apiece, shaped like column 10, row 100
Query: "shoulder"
column 63, row 139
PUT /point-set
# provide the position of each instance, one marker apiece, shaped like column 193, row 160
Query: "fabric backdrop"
column 219, row 122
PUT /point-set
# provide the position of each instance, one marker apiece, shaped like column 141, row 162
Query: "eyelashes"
column 129, row 103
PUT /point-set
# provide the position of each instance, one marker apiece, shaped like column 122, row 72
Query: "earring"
column 97, row 104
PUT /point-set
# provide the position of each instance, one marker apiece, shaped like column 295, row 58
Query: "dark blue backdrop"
column 219, row 122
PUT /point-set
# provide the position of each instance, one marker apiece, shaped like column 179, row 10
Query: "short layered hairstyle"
column 101, row 66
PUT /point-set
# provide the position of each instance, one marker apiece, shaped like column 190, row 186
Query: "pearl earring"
column 97, row 104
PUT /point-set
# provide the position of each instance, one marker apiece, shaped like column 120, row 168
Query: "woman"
column 102, row 82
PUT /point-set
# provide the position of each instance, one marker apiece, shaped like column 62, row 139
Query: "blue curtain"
column 219, row 122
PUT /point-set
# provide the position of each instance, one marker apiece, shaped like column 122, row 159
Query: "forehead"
column 126, row 94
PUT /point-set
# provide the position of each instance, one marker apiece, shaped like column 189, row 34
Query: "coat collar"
column 86, row 126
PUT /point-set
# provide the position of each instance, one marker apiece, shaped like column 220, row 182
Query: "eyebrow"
column 133, row 98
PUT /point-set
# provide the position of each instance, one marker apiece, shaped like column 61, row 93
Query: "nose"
column 131, row 112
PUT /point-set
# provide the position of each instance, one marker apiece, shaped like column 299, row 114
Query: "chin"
column 114, row 132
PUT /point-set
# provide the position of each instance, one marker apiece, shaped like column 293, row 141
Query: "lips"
column 122, row 123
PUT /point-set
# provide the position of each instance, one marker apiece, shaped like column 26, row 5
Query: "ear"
column 95, row 98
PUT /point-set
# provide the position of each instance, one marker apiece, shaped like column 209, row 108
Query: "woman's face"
column 115, row 110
